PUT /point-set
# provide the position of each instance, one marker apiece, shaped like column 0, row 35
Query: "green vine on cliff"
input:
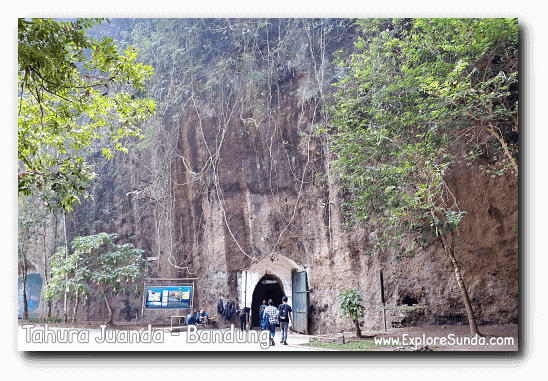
column 239, row 71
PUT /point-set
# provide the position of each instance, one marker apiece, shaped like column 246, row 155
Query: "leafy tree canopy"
column 73, row 91
column 95, row 259
column 419, row 96
column 422, row 95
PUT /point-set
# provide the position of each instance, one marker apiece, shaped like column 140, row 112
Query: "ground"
column 425, row 338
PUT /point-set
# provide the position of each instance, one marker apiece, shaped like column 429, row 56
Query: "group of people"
column 270, row 316
column 197, row 318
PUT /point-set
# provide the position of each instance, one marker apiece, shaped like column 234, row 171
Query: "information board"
column 168, row 297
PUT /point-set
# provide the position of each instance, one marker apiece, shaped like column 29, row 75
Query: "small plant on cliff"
column 114, row 269
column 351, row 308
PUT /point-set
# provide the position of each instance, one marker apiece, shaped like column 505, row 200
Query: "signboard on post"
column 168, row 297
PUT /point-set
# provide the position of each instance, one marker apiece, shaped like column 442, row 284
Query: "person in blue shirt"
column 262, row 317
column 202, row 318
column 285, row 317
column 189, row 319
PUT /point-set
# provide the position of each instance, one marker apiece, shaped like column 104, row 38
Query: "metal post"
column 193, row 292
column 143, row 304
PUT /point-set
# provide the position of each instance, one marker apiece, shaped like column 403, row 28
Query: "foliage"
column 96, row 259
column 350, row 305
column 350, row 345
column 49, row 320
column 73, row 91
column 31, row 217
column 417, row 93
column 66, row 276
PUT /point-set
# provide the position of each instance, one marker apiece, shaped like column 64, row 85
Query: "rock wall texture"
column 233, row 184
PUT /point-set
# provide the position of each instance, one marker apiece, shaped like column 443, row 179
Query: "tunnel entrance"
column 34, row 291
column 409, row 301
column 269, row 287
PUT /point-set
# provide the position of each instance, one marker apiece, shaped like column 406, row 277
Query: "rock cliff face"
column 233, row 183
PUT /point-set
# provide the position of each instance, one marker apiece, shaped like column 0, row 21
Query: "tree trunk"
column 46, row 270
column 53, row 247
column 24, row 270
column 504, row 146
column 358, row 330
column 25, row 303
column 65, row 306
column 66, row 279
column 110, row 314
column 75, row 311
column 467, row 304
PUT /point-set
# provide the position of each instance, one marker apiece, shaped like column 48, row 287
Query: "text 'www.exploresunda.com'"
column 451, row 339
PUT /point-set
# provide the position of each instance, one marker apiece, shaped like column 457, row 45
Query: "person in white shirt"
column 272, row 313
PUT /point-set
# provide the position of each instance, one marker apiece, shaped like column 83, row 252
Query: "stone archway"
column 277, row 268
column 268, row 287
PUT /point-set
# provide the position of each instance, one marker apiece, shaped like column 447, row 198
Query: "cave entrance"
column 269, row 287
column 33, row 287
column 409, row 301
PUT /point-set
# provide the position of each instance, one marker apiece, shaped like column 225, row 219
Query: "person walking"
column 244, row 316
column 262, row 317
column 272, row 314
column 286, row 317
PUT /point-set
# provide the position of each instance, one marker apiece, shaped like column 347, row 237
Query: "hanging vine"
column 235, row 72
